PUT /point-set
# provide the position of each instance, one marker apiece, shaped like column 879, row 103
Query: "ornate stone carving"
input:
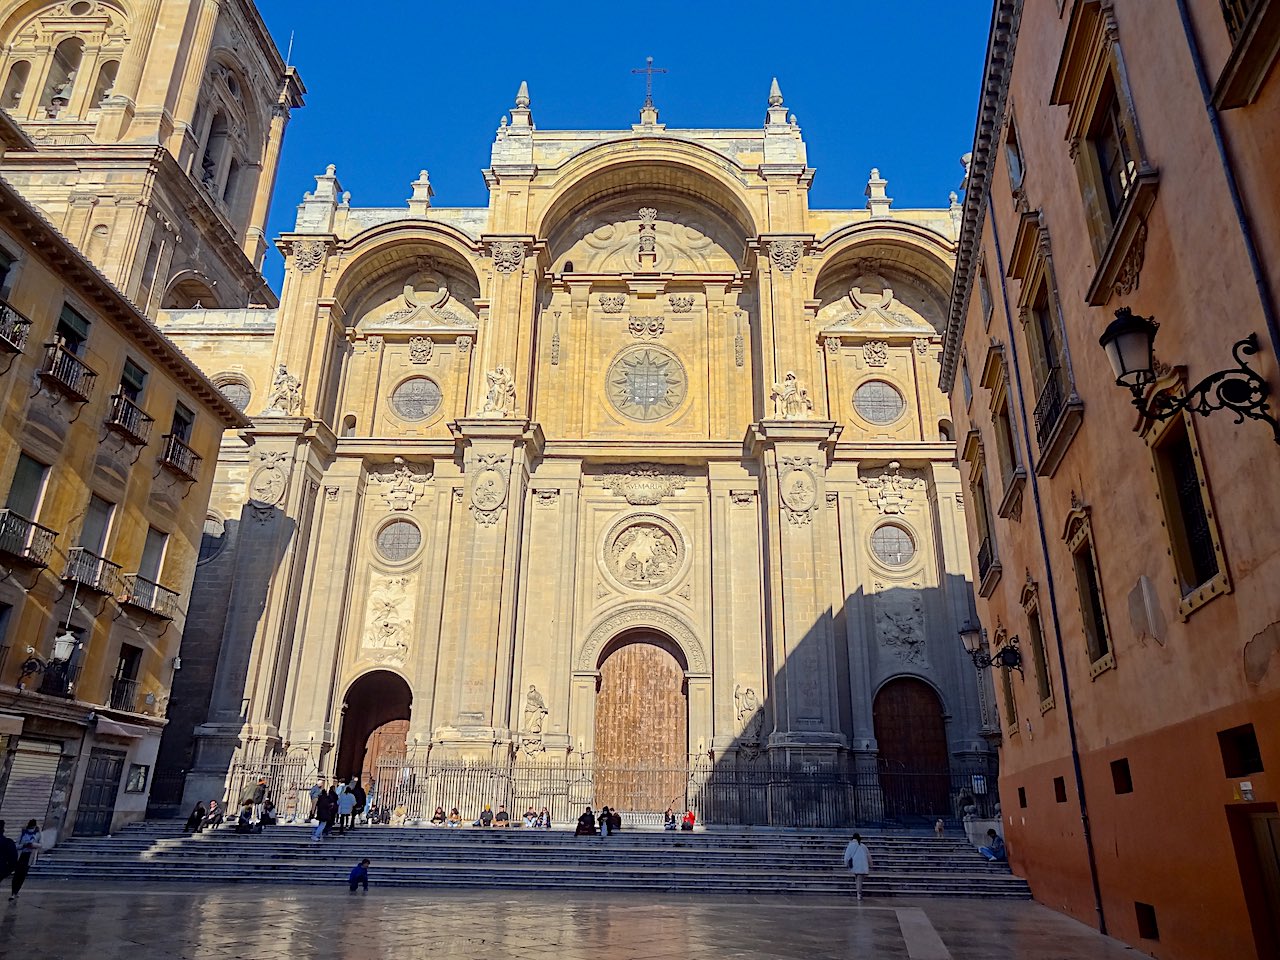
column 889, row 491
column 1131, row 266
column 785, row 254
column 832, row 344
column 960, row 501
column 389, row 623
column 686, row 593
column 750, row 717
column 612, row 302
column 500, row 398
column 900, row 625
column 508, row 255
column 421, row 349
column 535, row 711
column 645, row 484
column 268, row 484
column 742, row 498
column 464, row 346
column 648, row 216
column 331, row 494
column 489, row 488
column 643, row 615
column 308, row 254
column 646, row 328
column 645, row 552
column 682, row 303
column 739, row 342
column 401, row 485
column 791, row 399
column 546, row 497
column 646, row 382
column 375, row 343
column 922, row 345
column 286, row 394
column 876, row 353
column 798, row 489
column 555, row 342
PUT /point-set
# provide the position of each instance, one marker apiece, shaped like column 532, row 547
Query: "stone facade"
column 646, row 390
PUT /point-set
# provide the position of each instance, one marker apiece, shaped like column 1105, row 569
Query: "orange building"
column 1127, row 546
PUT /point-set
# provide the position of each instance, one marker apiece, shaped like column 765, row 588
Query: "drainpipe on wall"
column 1020, row 415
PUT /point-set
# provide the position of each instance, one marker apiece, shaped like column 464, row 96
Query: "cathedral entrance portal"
column 641, row 725
column 375, row 722
column 912, row 737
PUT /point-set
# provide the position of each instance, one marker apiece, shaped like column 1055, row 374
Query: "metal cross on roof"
column 649, row 70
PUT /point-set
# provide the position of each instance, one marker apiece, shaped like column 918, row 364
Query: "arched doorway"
column 375, row 722
column 912, row 737
column 641, row 724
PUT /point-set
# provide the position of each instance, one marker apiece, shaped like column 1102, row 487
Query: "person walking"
column 858, row 860
column 359, row 875
column 315, row 793
column 8, row 854
column 322, row 816
column 259, row 797
column 28, row 847
column 331, row 817
column 346, row 811
column 362, row 799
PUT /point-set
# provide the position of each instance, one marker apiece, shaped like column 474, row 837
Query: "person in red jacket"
column 688, row 820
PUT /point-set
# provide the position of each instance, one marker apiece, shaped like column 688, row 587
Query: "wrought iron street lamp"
column 1128, row 342
column 1008, row 657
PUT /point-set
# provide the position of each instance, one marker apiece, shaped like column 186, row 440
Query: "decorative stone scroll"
column 401, row 485
column 308, row 254
column 489, row 488
column 612, row 302
column 798, row 489
column 647, row 328
column 508, row 255
column 682, row 303
column 1131, row 266
column 785, row 254
column 645, row 484
column 876, row 353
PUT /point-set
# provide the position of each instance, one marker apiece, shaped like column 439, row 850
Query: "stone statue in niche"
column 535, row 711
column 286, row 394
column 750, row 719
column 500, row 399
column 791, row 399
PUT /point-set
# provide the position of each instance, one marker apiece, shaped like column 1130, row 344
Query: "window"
column 213, row 539
column 1035, row 633
column 399, row 540
column 995, row 378
column 1186, row 510
column 6, row 270
column 137, row 782
column 153, row 554
column 988, row 564
column 416, row 399
column 1060, row 789
column 878, row 402
column 1010, row 704
column 97, row 524
column 60, row 87
column 133, row 380
column 106, row 82
column 16, row 85
column 965, row 381
column 27, row 488
column 1013, row 155
column 73, row 329
column 1145, row 914
column 892, row 545
column 1253, row 26
column 984, row 295
column 1114, row 148
column 1121, row 778
column 1241, row 755
column 183, row 420
column 128, row 662
column 1022, row 798
column 1093, row 612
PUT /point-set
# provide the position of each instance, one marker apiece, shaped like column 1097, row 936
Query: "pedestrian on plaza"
column 359, row 875
column 323, row 804
column 362, row 798
column 315, row 793
column 938, row 828
column 858, row 860
column 994, row 850
column 331, row 818
column 346, row 811
column 605, row 821
column 8, row 854
column 28, row 847
column 196, row 820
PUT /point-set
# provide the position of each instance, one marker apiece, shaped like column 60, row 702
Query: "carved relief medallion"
column 900, row 625
column 644, row 553
column 489, row 488
column 798, row 488
column 268, row 483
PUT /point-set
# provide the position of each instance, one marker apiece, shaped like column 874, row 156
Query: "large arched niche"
column 612, row 629
column 672, row 168
column 915, row 266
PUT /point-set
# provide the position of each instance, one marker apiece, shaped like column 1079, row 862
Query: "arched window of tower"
column 16, row 85
column 106, row 82
column 59, row 88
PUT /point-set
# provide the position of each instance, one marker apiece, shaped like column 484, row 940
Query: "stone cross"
column 649, row 70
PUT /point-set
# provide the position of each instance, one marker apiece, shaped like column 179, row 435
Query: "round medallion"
column 416, row 398
column 399, row 540
column 892, row 545
column 644, row 553
column 878, row 402
column 267, row 486
column 646, row 383
column 798, row 488
column 490, row 489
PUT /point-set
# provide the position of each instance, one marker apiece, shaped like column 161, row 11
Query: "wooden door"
column 1266, row 838
column 641, row 729
column 387, row 744
column 912, row 739
column 98, row 794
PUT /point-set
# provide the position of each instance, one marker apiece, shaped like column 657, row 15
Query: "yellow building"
column 642, row 466
column 108, row 441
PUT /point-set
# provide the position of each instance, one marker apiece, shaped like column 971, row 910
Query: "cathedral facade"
column 643, row 464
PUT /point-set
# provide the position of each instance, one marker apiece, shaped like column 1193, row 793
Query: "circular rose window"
column 416, row 399
column 878, row 402
column 399, row 540
column 892, row 545
column 646, row 383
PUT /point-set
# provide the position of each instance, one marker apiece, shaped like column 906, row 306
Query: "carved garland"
column 508, row 255
column 308, row 254
column 785, row 254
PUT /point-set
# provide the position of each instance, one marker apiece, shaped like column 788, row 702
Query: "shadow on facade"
column 230, row 592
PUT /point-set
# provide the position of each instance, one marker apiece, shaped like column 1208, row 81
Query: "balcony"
column 1057, row 416
column 14, row 328
column 92, row 572
column 59, row 678
column 1236, row 13
column 66, row 373
column 127, row 419
column 25, row 541
column 124, row 694
column 179, row 458
column 1254, row 27
column 989, row 568
column 148, row 596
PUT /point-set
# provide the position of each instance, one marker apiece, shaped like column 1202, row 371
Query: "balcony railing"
column 59, row 678
column 1049, row 407
column 25, row 540
column 4, row 656
column 1237, row 13
column 67, row 373
column 986, row 556
column 14, row 328
column 124, row 694
column 92, row 571
column 149, row 596
column 179, row 458
column 127, row 418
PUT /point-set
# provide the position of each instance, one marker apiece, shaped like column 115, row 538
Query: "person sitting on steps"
column 485, row 819
column 994, row 850
column 502, row 818
column 586, row 824
column 688, row 820
column 438, row 818
column 455, row 818
column 669, row 821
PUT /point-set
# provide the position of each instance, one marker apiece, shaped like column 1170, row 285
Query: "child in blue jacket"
column 359, row 875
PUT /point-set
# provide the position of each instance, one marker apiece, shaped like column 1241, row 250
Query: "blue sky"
column 890, row 83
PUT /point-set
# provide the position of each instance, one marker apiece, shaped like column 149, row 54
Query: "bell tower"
column 158, row 130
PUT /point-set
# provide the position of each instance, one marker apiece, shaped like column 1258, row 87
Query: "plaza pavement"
column 243, row 922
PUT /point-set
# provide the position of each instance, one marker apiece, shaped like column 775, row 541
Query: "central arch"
column 641, row 731
column 375, row 723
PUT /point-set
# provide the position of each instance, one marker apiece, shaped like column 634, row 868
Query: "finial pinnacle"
column 775, row 94
column 522, row 96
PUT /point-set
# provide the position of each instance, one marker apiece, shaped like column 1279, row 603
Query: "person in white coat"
column 858, row 861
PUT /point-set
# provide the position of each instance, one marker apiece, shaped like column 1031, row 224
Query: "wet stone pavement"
column 147, row 922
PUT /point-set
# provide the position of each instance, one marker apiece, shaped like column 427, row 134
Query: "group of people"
column 671, row 822
column 590, row 823
column 337, row 809
column 16, row 857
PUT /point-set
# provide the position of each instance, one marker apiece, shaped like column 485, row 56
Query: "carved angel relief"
column 900, row 625
column 389, row 622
